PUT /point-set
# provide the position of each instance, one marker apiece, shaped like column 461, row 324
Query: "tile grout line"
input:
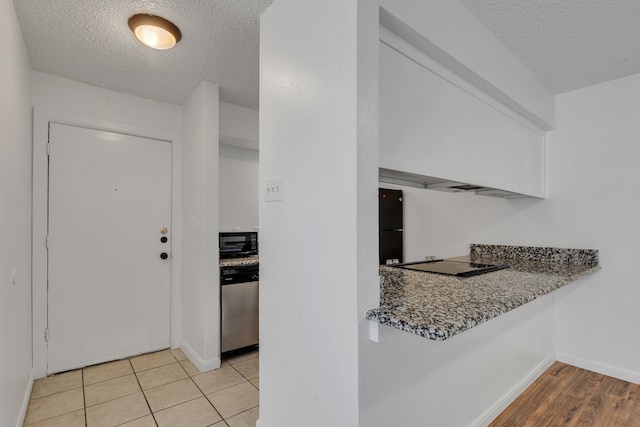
column 225, row 388
column 135, row 374
column 113, row 398
column 244, row 376
column 31, row 399
column 238, row 372
column 106, row 363
column 246, row 410
column 205, row 395
column 84, row 399
column 155, row 367
column 189, row 377
column 245, row 380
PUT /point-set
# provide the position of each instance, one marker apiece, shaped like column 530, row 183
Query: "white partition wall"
column 318, row 250
column 201, row 275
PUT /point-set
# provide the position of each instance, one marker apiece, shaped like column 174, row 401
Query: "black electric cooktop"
column 451, row 268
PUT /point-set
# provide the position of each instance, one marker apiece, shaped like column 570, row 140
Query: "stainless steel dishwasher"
column 239, row 309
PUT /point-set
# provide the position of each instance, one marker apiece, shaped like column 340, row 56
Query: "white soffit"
column 89, row 41
column 568, row 44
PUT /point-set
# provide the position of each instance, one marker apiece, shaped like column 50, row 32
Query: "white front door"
column 108, row 285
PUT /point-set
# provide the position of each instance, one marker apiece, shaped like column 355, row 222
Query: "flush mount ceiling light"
column 154, row 31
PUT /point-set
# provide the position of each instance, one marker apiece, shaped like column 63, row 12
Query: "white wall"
column 201, row 277
column 316, row 133
column 71, row 98
column 238, row 126
column 66, row 101
column 594, row 181
column 15, row 220
column 238, row 176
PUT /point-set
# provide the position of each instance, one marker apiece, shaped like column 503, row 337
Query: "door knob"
column 163, row 239
column 164, row 255
column 164, row 230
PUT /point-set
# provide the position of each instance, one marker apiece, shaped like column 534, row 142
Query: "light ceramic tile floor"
column 153, row 390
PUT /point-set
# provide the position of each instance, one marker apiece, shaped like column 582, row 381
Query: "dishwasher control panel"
column 239, row 274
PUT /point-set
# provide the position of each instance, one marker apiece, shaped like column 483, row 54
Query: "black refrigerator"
column 390, row 214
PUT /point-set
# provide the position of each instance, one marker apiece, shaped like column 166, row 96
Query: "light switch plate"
column 274, row 189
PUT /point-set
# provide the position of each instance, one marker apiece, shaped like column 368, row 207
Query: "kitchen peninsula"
column 438, row 307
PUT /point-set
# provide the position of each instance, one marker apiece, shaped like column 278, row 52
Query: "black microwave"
column 238, row 244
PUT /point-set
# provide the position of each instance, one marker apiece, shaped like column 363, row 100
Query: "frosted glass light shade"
column 154, row 31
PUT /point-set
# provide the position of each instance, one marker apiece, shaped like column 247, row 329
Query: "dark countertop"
column 438, row 307
column 235, row 262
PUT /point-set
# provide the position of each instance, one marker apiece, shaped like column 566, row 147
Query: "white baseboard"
column 25, row 401
column 601, row 368
column 202, row 365
column 491, row 413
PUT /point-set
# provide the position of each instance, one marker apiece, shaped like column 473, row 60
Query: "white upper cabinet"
column 435, row 124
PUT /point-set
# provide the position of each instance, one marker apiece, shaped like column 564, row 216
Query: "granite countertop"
column 236, row 262
column 438, row 307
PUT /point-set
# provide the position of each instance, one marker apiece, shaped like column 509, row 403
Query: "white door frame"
column 41, row 120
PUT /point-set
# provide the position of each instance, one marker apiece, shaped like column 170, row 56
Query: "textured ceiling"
column 568, row 44
column 89, row 41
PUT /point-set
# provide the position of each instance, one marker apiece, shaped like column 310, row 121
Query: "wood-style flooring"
column 568, row 396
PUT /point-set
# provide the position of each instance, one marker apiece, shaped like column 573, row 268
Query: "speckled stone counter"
column 236, row 262
column 438, row 307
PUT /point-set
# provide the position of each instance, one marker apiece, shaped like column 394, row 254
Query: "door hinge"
column 46, row 242
column 46, row 334
column 48, row 149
